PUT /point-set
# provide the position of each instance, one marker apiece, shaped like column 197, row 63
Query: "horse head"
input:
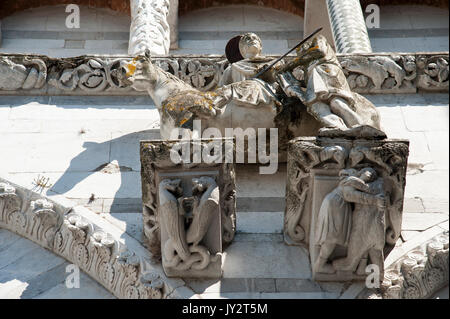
column 138, row 73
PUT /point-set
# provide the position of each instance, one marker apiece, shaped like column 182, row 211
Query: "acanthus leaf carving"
column 418, row 274
column 72, row 236
column 49, row 220
column 10, row 202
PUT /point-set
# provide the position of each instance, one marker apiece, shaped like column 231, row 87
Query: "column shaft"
column 349, row 26
column 173, row 23
column 149, row 27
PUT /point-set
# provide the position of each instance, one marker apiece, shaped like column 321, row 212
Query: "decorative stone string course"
column 366, row 73
column 82, row 238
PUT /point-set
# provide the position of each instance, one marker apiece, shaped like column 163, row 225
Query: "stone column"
column 316, row 16
column 173, row 23
column 349, row 26
column 149, row 27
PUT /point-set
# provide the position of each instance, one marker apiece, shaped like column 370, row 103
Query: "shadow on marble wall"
column 115, row 185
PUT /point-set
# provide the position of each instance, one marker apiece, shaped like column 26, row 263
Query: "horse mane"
column 174, row 78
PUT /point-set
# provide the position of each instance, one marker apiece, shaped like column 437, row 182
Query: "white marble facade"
column 42, row 31
column 206, row 31
column 97, row 138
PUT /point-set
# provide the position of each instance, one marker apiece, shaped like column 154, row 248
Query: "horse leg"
column 377, row 258
column 321, row 265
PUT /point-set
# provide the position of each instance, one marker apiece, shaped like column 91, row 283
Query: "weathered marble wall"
column 43, row 31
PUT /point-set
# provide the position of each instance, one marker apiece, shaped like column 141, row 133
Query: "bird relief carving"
column 186, row 221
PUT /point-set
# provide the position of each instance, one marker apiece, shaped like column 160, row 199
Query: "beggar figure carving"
column 336, row 224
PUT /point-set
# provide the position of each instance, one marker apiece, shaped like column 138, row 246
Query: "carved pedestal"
column 345, row 202
column 189, row 204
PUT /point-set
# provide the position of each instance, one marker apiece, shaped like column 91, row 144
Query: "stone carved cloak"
column 325, row 82
column 334, row 220
column 250, row 92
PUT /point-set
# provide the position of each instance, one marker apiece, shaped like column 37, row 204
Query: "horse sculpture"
column 245, row 104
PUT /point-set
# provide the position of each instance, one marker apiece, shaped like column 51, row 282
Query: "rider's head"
column 250, row 46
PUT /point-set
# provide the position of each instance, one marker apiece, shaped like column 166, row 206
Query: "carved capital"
column 355, row 185
column 419, row 274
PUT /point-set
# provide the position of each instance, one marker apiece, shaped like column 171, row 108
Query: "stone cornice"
column 381, row 73
column 109, row 256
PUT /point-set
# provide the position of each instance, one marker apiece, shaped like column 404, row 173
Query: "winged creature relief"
column 186, row 221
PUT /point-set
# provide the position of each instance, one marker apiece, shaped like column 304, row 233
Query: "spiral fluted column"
column 348, row 26
column 149, row 27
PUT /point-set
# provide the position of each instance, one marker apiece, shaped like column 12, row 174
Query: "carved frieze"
column 202, row 73
column 72, row 236
column 22, row 73
column 97, row 75
column 189, row 205
column 381, row 74
column 344, row 202
column 418, row 274
column 94, row 75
